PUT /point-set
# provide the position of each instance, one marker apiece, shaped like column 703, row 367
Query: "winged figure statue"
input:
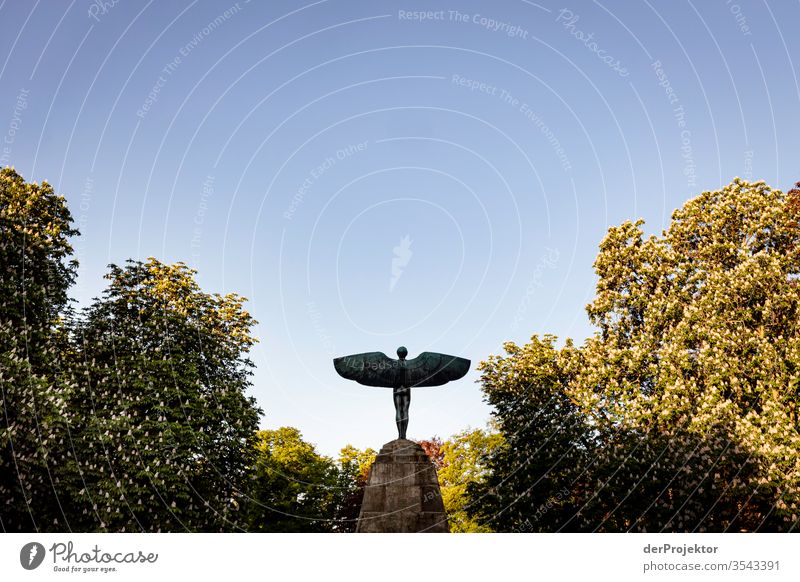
column 378, row 369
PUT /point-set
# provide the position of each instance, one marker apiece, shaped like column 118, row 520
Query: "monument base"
column 402, row 493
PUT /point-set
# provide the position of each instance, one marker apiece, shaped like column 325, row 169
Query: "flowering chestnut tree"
column 681, row 412
column 163, row 429
column 36, row 270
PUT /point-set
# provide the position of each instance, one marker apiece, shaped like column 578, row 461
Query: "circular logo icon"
column 31, row 555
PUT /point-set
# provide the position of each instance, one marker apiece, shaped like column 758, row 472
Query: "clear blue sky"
column 369, row 178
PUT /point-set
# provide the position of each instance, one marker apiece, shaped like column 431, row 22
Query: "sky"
column 371, row 174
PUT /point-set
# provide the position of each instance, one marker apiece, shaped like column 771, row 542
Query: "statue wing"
column 370, row 369
column 432, row 369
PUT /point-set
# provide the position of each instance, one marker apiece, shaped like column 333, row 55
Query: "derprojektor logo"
column 31, row 555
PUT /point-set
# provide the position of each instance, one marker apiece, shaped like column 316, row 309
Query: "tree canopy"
column 354, row 466
column 680, row 413
column 159, row 408
column 296, row 489
column 463, row 466
column 129, row 416
column 36, row 271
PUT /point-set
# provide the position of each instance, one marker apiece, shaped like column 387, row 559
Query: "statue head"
column 402, row 352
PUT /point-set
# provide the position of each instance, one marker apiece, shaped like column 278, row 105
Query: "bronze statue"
column 378, row 369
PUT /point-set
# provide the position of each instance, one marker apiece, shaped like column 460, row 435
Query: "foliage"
column 357, row 462
column 354, row 466
column 463, row 465
column 433, row 448
column 35, row 273
column 132, row 415
column 35, row 227
column 162, row 428
column 680, row 413
column 295, row 489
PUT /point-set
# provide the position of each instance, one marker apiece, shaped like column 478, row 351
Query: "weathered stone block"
column 402, row 492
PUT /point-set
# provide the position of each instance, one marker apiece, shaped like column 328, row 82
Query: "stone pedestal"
column 402, row 492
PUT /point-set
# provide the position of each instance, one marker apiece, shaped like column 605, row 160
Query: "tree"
column 35, row 255
column 546, row 441
column 464, row 457
column 460, row 463
column 354, row 466
column 37, row 270
column 685, row 399
column 433, row 448
column 295, row 488
column 163, row 428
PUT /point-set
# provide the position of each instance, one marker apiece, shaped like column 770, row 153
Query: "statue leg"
column 402, row 400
